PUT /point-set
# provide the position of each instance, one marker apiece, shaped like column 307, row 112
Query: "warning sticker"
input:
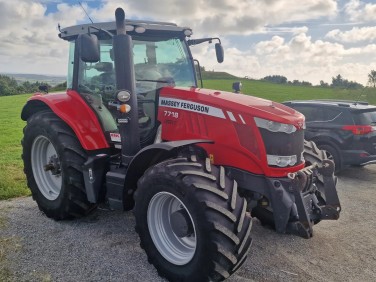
column 115, row 137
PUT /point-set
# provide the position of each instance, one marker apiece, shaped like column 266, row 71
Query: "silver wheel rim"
column 42, row 152
column 329, row 156
column 178, row 251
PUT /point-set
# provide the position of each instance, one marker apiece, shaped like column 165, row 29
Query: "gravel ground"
column 104, row 246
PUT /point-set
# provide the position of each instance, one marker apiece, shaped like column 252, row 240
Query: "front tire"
column 332, row 153
column 53, row 159
column 191, row 221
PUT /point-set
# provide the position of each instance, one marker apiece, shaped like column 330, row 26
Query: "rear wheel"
column 191, row 221
column 53, row 159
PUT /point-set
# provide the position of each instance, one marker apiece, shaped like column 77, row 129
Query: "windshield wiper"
column 168, row 81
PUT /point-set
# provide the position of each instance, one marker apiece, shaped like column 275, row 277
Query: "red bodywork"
column 72, row 109
column 193, row 113
column 228, row 120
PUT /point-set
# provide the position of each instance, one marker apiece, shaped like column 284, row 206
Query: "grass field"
column 12, row 179
column 280, row 93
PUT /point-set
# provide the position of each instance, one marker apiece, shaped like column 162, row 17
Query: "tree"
column 276, row 79
column 306, row 83
column 9, row 86
column 324, row 84
column 59, row 87
column 372, row 78
column 339, row 82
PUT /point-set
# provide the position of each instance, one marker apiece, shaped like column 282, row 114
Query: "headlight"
column 123, row 96
column 275, row 126
column 281, row 161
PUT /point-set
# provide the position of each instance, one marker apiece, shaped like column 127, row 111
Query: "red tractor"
column 133, row 131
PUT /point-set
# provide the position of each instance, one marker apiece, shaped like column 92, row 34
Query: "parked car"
column 346, row 130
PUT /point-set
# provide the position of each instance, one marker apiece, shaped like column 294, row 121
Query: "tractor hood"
column 236, row 106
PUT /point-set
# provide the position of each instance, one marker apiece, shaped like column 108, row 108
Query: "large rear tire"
column 53, row 159
column 191, row 221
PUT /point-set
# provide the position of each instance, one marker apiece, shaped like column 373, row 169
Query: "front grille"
column 283, row 144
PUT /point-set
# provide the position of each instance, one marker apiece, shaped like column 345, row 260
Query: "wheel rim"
column 46, row 167
column 329, row 156
column 178, row 251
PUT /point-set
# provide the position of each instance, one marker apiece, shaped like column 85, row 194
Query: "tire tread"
column 227, row 222
column 74, row 201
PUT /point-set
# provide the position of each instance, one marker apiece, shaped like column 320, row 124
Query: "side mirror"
column 219, row 52
column 88, row 48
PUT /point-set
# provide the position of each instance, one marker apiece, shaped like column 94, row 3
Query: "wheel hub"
column 53, row 165
column 181, row 223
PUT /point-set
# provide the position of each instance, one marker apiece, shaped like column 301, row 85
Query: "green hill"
column 281, row 92
column 206, row 75
column 52, row 80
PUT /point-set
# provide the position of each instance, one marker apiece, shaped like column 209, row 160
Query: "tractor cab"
column 161, row 57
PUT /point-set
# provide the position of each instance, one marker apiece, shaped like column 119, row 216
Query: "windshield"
column 155, row 60
column 366, row 118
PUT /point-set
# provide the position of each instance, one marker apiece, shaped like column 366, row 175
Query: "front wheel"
column 53, row 160
column 191, row 221
column 332, row 153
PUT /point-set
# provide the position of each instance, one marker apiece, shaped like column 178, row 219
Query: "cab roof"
column 72, row 32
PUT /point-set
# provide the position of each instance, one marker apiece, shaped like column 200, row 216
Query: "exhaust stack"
column 125, row 80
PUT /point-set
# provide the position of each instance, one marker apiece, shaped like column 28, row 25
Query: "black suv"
column 346, row 130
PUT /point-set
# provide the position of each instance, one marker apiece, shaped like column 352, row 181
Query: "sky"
column 310, row 40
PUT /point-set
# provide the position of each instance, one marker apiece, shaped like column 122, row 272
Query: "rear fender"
column 75, row 112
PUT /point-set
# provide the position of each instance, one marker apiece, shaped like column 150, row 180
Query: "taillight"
column 359, row 129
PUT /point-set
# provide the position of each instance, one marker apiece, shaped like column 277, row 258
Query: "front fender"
column 326, row 140
column 75, row 112
column 154, row 154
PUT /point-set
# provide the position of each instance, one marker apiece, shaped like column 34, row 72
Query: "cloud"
column 282, row 30
column 29, row 37
column 360, row 11
column 300, row 49
column 356, row 34
column 29, row 41
column 222, row 17
column 300, row 58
